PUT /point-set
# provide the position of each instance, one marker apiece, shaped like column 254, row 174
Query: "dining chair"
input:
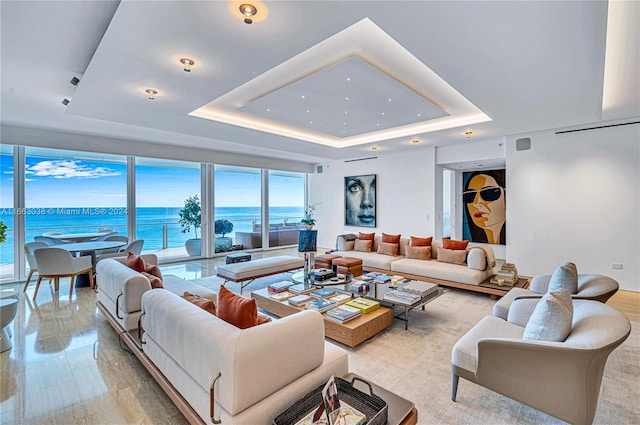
column 29, row 248
column 134, row 247
column 112, row 237
column 57, row 262
column 48, row 240
column 51, row 233
column 106, row 235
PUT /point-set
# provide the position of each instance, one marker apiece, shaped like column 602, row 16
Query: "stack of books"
column 401, row 297
column 320, row 305
column 364, row 305
column 280, row 286
column 301, row 289
column 322, row 293
column 281, row 296
column 508, row 273
column 359, row 286
column 299, row 300
column 343, row 313
column 340, row 298
column 420, row 288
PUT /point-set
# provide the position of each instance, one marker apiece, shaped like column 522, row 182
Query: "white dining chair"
column 51, row 233
column 29, row 248
column 57, row 262
column 50, row 241
column 134, row 247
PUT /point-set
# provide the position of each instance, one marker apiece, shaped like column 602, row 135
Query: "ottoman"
column 324, row 261
column 348, row 265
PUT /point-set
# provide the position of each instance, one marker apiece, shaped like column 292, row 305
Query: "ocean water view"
column 151, row 223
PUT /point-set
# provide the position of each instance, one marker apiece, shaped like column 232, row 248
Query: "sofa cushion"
column 419, row 252
column 552, row 317
column 440, row 270
column 362, row 245
column 565, row 276
column 452, row 256
column 415, row 241
column 388, row 248
column 453, row 244
column 135, row 262
column 390, row 238
column 156, row 282
column 366, row 236
column 239, row 311
column 203, row 303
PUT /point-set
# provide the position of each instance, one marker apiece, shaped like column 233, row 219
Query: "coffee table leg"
column 405, row 318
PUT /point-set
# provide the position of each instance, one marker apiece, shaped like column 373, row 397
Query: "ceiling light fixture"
column 415, row 142
column 151, row 94
column 187, row 64
column 75, row 81
column 65, row 102
column 374, row 148
column 468, row 134
column 248, row 10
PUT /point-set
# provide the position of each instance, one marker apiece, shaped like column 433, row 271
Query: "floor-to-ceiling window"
column 448, row 177
column 238, row 208
column 286, row 206
column 168, row 206
column 6, row 212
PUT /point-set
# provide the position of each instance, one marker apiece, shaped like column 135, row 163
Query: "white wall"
column 576, row 197
column 405, row 195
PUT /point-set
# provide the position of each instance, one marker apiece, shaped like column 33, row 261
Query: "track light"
column 65, row 102
column 74, row 81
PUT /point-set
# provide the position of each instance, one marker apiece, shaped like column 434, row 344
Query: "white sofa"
column 120, row 289
column 262, row 370
column 478, row 268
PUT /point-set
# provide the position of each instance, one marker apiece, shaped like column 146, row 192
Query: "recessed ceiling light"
column 310, row 122
column 187, row 64
column 308, row 110
column 419, row 115
column 248, row 10
column 382, row 113
column 389, row 100
column 346, row 98
column 151, row 93
column 468, row 134
column 415, row 142
column 268, row 110
column 374, row 148
column 65, row 102
column 75, row 81
column 377, row 124
column 348, row 79
column 345, row 112
column 302, row 97
column 344, row 123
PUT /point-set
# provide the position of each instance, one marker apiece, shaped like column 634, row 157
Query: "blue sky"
column 55, row 182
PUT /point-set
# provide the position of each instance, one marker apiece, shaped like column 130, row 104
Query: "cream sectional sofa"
column 253, row 374
column 120, row 289
column 478, row 268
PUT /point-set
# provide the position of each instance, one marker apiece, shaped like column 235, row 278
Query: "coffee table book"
column 322, row 293
column 299, row 300
column 364, row 305
column 281, row 296
column 321, row 305
column 301, row 288
column 340, row 298
column 343, row 314
column 280, row 286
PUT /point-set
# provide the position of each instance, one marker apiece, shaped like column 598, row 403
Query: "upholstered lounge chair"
column 561, row 379
column 595, row 287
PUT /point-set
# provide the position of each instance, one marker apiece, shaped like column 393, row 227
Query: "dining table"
column 77, row 237
column 91, row 248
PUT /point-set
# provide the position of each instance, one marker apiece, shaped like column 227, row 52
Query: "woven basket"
column 372, row 406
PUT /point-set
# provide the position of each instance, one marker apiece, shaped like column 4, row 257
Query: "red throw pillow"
column 236, row 310
column 452, row 244
column 204, row 303
column 421, row 241
column 390, row 238
column 136, row 263
column 367, row 236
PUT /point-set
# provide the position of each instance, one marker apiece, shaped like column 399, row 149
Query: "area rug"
column 416, row 364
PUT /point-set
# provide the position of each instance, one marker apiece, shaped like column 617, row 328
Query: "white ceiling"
column 526, row 65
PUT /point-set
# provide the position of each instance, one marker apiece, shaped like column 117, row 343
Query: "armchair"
column 561, row 379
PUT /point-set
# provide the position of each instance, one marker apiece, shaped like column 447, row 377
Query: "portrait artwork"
column 484, row 204
column 360, row 200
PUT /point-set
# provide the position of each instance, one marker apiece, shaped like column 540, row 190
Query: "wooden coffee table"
column 351, row 333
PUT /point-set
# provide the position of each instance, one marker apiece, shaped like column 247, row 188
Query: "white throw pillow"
column 552, row 317
column 565, row 276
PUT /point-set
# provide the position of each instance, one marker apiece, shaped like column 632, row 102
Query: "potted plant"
column 190, row 216
column 3, row 232
column 308, row 219
column 222, row 227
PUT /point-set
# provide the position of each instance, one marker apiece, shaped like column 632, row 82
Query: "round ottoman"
column 8, row 310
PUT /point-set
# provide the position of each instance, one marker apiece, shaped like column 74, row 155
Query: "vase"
column 308, row 226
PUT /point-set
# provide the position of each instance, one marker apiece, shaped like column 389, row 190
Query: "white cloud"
column 68, row 169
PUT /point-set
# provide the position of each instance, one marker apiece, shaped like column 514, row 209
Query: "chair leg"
column 73, row 281
column 35, row 294
column 56, row 283
column 454, row 387
column 28, row 279
column 91, row 281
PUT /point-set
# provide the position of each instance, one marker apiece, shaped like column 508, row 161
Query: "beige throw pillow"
column 388, row 248
column 565, row 276
column 418, row 252
column 552, row 317
column 364, row 246
column 453, row 256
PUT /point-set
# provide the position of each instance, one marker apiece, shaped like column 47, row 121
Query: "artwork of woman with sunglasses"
column 484, row 199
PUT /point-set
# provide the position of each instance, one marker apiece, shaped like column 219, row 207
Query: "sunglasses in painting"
column 486, row 193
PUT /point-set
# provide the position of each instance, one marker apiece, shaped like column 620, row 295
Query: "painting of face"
column 360, row 200
column 485, row 207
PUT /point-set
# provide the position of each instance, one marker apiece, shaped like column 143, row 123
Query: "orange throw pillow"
column 203, row 303
column 155, row 281
column 263, row 318
column 452, row 244
column 136, row 263
column 367, row 236
column 236, row 310
column 390, row 238
column 153, row 270
column 421, row 241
